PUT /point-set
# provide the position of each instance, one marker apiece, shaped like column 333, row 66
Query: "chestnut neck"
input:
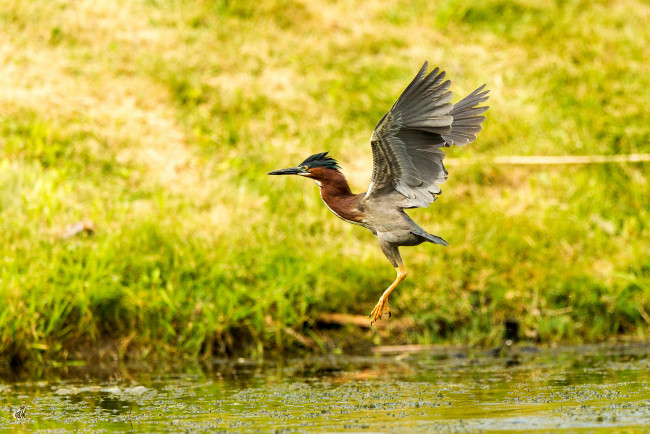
column 331, row 181
column 336, row 193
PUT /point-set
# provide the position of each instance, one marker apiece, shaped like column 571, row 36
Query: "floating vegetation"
column 594, row 388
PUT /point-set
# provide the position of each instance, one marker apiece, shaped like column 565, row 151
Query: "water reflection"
column 599, row 388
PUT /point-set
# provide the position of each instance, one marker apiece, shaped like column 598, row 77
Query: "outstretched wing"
column 406, row 142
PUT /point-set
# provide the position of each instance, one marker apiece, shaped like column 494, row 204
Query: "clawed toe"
column 378, row 311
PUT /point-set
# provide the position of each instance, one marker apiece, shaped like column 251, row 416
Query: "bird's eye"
column 304, row 167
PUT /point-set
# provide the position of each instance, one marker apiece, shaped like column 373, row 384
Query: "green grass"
column 158, row 121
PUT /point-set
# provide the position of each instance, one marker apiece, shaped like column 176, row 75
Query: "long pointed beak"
column 289, row 171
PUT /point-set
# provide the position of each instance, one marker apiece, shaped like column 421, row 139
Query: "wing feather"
column 406, row 142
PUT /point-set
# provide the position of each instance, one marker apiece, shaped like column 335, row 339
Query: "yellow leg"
column 382, row 305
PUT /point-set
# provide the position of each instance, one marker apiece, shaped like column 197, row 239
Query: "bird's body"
column 388, row 223
column 407, row 167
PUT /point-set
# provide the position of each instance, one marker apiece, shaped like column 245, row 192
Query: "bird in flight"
column 407, row 167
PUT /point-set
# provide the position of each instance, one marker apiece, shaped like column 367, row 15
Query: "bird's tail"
column 467, row 118
column 431, row 238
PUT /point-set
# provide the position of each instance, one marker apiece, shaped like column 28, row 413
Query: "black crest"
column 320, row 160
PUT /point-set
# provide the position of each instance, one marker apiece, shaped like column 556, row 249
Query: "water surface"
column 578, row 389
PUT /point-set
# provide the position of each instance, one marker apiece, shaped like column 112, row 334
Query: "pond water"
column 577, row 389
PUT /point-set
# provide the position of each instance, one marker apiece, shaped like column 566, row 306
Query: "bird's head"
column 312, row 167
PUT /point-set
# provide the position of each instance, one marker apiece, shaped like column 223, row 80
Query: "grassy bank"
column 158, row 120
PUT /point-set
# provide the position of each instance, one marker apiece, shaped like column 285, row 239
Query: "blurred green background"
column 158, row 120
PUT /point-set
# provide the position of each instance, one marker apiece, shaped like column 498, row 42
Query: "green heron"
column 407, row 167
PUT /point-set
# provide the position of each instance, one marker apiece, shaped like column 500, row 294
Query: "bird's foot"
column 379, row 309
